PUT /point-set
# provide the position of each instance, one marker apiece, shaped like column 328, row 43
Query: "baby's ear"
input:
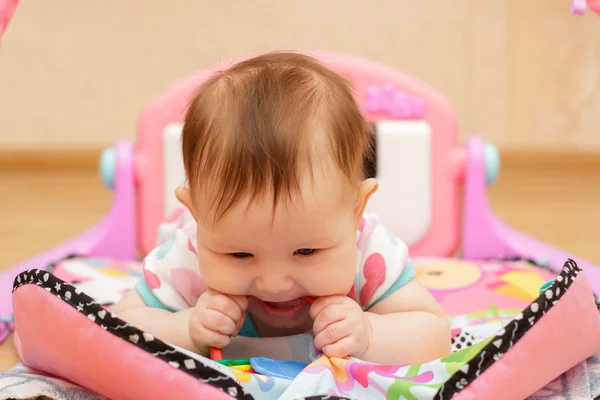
column 365, row 191
column 184, row 196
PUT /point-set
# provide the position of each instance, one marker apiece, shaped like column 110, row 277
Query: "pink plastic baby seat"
column 56, row 323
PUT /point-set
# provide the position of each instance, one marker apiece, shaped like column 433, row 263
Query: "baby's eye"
column 305, row 252
column 241, row 255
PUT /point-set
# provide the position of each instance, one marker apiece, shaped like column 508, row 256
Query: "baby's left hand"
column 340, row 326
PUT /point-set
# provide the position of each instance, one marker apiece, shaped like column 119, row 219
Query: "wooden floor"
column 38, row 210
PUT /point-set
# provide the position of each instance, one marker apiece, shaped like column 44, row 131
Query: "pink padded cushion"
column 64, row 332
column 553, row 334
column 56, row 338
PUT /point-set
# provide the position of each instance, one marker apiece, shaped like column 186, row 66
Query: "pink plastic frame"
column 485, row 236
column 169, row 107
column 115, row 236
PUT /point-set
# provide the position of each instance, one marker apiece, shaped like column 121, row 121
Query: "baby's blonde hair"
column 248, row 130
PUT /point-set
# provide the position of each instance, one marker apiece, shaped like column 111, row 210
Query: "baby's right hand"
column 216, row 318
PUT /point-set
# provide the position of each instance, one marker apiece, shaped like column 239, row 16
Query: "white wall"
column 75, row 73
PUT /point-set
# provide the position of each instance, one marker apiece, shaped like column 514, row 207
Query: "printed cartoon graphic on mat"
column 501, row 285
column 522, row 284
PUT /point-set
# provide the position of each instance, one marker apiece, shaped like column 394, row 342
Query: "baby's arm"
column 167, row 326
column 408, row 327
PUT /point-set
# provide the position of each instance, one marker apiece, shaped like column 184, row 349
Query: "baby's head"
column 274, row 151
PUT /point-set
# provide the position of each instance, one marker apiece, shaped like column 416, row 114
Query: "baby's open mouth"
column 283, row 308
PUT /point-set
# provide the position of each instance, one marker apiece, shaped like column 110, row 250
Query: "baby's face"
column 307, row 248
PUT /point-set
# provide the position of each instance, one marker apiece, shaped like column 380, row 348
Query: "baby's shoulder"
column 382, row 262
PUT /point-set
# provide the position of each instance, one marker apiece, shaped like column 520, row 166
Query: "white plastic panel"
column 403, row 170
column 403, row 200
column 174, row 174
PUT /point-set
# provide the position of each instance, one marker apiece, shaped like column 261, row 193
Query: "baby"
column 274, row 150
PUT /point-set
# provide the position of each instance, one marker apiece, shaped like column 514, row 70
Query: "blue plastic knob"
column 108, row 167
column 492, row 163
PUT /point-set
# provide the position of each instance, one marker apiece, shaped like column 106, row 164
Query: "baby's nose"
column 274, row 283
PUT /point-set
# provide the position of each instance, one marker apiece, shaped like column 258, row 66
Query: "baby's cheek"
column 335, row 277
column 222, row 277
column 345, row 281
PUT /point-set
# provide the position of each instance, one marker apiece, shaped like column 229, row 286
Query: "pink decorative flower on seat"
column 7, row 8
column 578, row 7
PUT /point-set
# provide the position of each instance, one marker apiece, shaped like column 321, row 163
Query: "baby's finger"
column 320, row 303
column 239, row 324
column 217, row 321
column 241, row 301
column 342, row 348
column 225, row 304
column 328, row 316
column 210, row 338
column 332, row 333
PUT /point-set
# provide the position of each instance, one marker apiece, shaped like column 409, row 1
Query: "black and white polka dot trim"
column 510, row 334
column 143, row 340
column 503, row 341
